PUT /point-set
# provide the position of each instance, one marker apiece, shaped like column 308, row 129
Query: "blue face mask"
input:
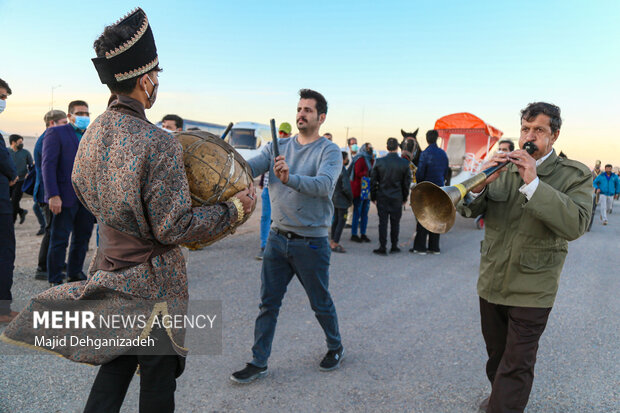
column 82, row 122
column 354, row 147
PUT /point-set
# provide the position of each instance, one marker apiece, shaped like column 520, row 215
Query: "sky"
column 382, row 65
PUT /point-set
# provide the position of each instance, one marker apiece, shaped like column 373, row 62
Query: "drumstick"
column 228, row 128
column 274, row 138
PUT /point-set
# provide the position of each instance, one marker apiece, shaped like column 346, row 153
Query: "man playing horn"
column 533, row 208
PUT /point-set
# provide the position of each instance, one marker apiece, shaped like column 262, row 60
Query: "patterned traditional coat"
column 130, row 175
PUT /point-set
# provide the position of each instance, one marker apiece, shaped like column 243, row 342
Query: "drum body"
column 215, row 172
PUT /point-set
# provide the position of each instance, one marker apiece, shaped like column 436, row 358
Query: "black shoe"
column 249, row 374
column 380, row 251
column 41, row 274
column 332, row 359
column 484, row 405
column 22, row 215
column 347, row 225
column 365, row 238
column 41, row 231
column 79, row 277
column 355, row 238
column 259, row 256
column 54, row 284
column 394, row 249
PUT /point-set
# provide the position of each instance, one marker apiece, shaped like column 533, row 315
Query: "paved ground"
column 409, row 323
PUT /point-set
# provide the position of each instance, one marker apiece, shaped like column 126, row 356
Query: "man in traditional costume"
column 130, row 175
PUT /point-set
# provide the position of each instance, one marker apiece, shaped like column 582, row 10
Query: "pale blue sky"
column 381, row 65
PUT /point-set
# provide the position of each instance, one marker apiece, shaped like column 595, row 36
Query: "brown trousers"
column 511, row 335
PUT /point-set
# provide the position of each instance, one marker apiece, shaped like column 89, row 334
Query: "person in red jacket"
column 360, row 180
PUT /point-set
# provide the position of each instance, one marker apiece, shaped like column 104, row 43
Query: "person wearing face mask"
column 23, row 162
column 68, row 215
column 351, row 149
column 359, row 174
column 505, row 146
column 140, row 195
column 172, row 123
column 8, row 178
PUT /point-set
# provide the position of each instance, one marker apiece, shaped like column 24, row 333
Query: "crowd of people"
column 82, row 175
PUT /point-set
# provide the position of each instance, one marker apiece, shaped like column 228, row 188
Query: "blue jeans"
column 79, row 221
column 265, row 218
column 308, row 258
column 360, row 215
column 39, row 214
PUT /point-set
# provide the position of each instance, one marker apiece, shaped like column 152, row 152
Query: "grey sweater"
column 304, row 204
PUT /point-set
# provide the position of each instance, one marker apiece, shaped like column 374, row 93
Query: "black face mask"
column 20, row 146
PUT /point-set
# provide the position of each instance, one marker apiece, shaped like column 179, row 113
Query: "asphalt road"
column 410, row 326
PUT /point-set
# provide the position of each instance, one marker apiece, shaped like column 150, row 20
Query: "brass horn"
column 435, row 207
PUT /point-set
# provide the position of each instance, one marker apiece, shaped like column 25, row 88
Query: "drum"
column 215, row 172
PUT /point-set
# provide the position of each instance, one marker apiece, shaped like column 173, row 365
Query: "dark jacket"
column 390, row 179
column 433, row 165
column 60, row 145
column 343, row 194
column 7, row 174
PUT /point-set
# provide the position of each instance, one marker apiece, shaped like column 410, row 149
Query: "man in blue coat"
column 608, row 186
column 8, row 177
column 51, row 118
column 60, row 145
column 432, row 167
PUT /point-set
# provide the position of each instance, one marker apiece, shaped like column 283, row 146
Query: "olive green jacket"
column 525, row 242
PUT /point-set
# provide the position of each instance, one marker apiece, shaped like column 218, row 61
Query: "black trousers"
column 338, row 223
column 422, row 234
column 7, row 261
column 158, row 373
column 45, row 241
column 392, row 210
column 16, row 196
column 511, row 335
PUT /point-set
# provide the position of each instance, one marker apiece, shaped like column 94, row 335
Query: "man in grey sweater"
column 301, row 183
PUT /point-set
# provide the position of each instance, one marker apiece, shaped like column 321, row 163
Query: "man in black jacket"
column 8, row 178
column 390, row 180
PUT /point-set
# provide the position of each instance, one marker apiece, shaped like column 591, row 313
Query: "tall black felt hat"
column 135, row 57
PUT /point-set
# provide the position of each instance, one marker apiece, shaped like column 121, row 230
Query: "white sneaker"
column 605, row 222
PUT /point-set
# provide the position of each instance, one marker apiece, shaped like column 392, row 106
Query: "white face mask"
column 2, row 105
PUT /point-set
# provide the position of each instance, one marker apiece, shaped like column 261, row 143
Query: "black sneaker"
column 41, row 231
column 394, row 249
column 22, row 215
column 41, row 274
column 380, row 251
column 78, row 277
column 365, row 238
column 332, row 360
column 249, row 374
column 259, row 256
column 355, row 238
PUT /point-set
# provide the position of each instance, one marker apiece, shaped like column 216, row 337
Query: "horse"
column 410, row 148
